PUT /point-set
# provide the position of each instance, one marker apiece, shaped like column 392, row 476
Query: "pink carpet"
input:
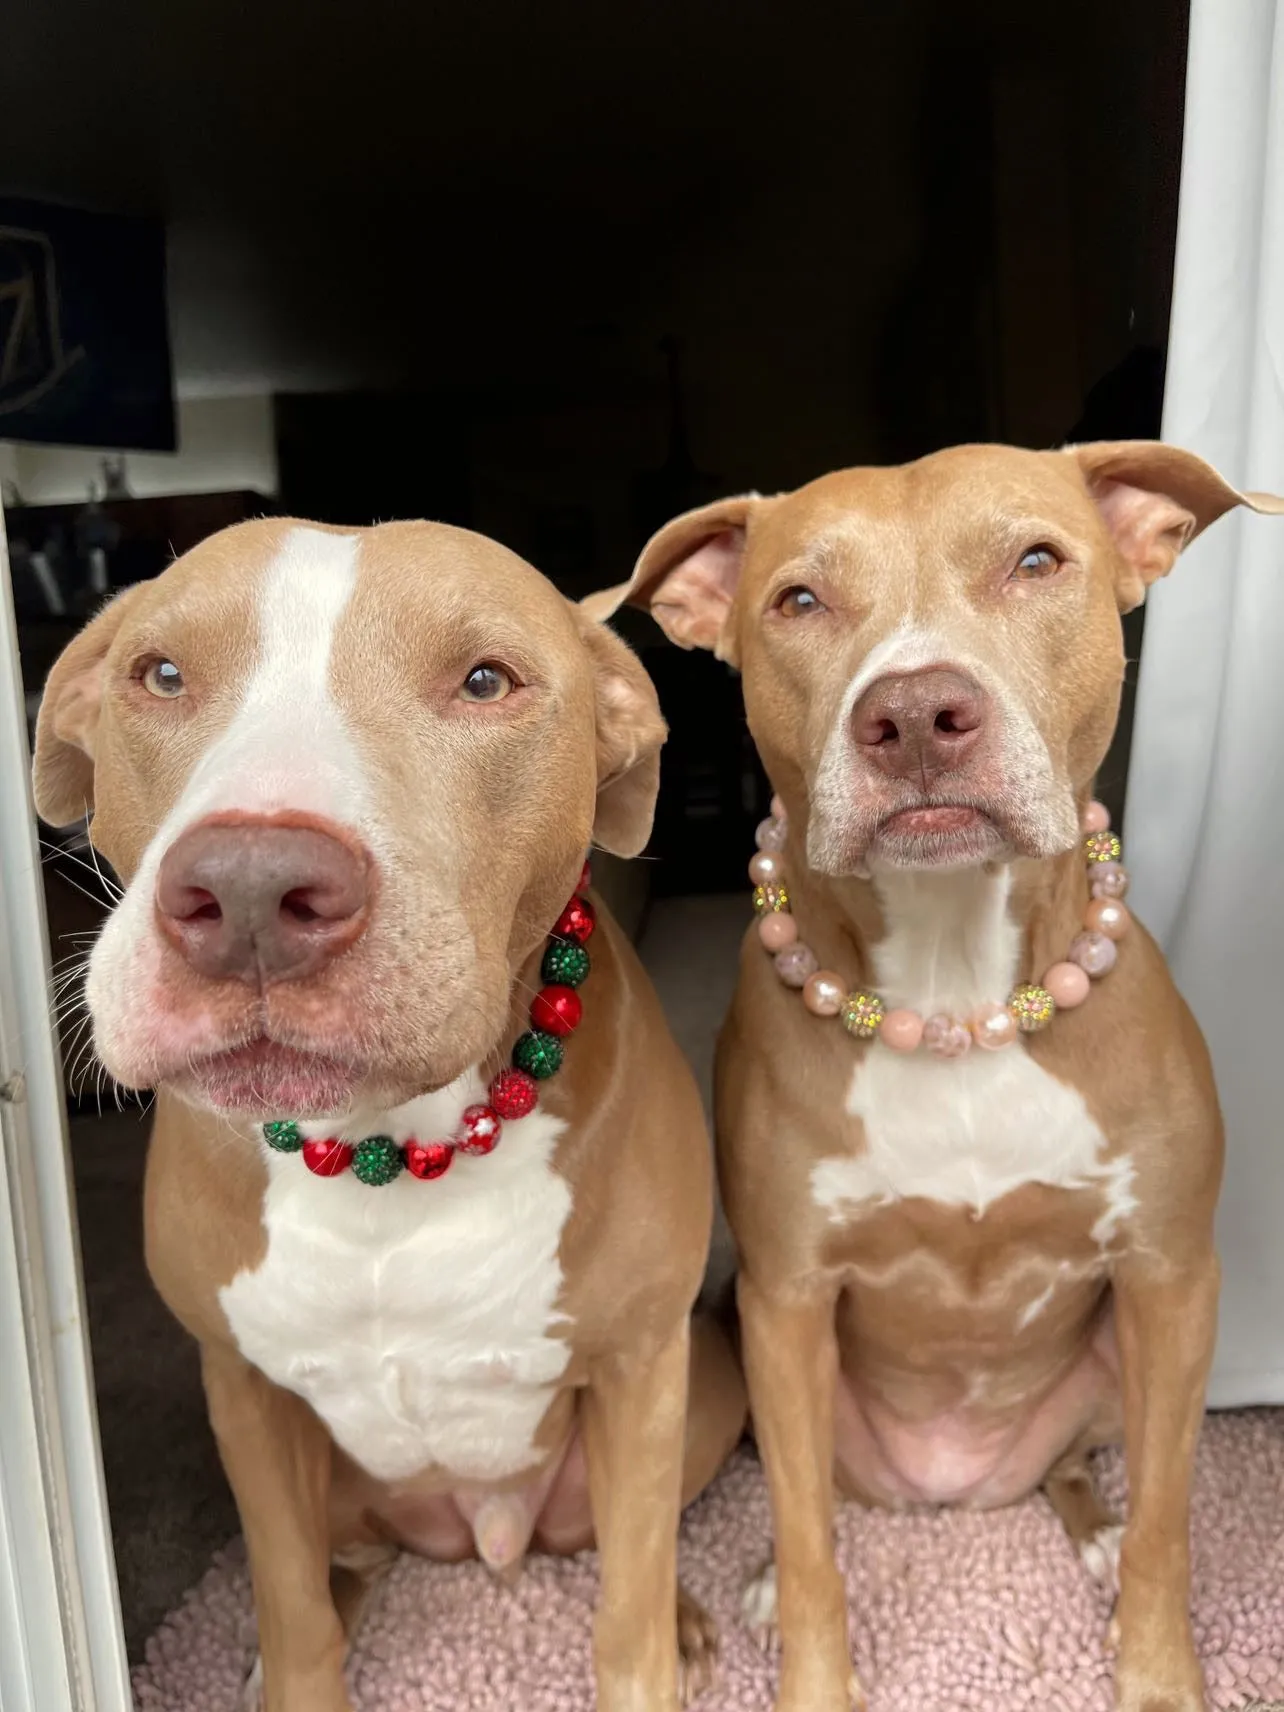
column 949, row 1611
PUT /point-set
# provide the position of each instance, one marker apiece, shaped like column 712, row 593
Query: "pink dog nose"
column 921, row 724
column 257, row 902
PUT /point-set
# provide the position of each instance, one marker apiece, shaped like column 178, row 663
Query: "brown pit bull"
column 968, row 1254
column 348, row 778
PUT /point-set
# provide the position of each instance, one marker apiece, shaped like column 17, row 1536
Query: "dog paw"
column 697, row 1649
column 759, row 1608
column 252, row 1693
column 1100, row 1555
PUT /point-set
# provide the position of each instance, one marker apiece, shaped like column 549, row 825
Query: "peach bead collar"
column 1027, row 1009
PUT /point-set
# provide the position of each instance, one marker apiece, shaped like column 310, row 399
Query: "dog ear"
column 687, row 575
column 67, row 725
column 630, row 734
column 1155, row 499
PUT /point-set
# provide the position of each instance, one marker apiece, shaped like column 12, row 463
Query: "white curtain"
column 1205, row 821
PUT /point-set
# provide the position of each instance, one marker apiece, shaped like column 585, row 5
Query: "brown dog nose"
column 256, row 902
column 921, row 724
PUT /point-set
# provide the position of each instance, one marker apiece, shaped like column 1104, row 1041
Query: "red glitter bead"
column 428, row 1158
column 328, row 1158
column 481, row 1127
column 586, row 878
column 576, row 921
column 557, row 1010
column 513, row 1094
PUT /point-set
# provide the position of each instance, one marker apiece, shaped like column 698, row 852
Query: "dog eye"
column 799, row 603
column 1040, row 561
column 163, row 678
column 486, row 682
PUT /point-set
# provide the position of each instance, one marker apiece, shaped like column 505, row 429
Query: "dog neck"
column 946, row 940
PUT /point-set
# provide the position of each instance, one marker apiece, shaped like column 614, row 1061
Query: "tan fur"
column 505, row 818
column 1020, row 1330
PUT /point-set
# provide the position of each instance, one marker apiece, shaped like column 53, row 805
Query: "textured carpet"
column 988, row 1613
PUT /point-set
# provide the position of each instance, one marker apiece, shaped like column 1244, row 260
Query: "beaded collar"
column 1029, row 1007
column 537, row 1054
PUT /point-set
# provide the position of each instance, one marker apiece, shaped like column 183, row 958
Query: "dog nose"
column 260, row 903
column 921, row 724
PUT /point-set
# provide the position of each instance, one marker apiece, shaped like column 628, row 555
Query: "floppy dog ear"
column 687, row 575
column 630, row 734
column 1155, row 499
column 67, row 726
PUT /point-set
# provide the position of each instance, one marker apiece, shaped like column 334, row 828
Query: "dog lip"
column 265, row 1077
column 934, row 819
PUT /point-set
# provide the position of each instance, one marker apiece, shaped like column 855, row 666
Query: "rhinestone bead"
column 773, row 897
column 862, row 1014
column 1102, row 847
column 285, row 1137
column 566, row 964
column 1032, row 1006
column 376, row 1161
column 540, row 1055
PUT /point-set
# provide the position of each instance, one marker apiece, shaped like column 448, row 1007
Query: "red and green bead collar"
column 537, row 1054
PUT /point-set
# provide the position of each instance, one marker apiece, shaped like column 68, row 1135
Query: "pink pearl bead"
column 777, row 931
column 1094, row 953
column 994, row 1026
column 1106, row 915
column 770, row 835
column 777, row 809
column 824, row 992
column 901, row 1030
column 795, row 964
column 1107, row 880
column 764, row 868
column 1096, row 818
column 1068, row 984
column 946, row 1036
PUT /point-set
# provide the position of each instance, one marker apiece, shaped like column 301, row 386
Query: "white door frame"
column 61, row 1644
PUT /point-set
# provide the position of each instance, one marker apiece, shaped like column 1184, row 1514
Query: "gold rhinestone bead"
column 862, row 1014
column 1102, row 847
column 1033, row 1007
column 772, row 898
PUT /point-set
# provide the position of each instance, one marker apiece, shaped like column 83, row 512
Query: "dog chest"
column 419, row 1320
column 967, row 1132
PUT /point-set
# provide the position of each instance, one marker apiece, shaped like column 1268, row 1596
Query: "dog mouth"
column 937, row 835
column 266, row 1079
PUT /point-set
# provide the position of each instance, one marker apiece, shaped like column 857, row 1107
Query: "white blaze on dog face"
column 285, row 675
column 932, row 654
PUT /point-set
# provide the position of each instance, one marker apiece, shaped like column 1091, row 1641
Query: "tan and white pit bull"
column 348, row 779
column 957, row 1277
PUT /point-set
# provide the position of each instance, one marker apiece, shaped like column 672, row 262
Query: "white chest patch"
column 418, row 1320
column 966, row 1131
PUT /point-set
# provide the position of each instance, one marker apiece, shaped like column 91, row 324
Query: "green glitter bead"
column 376, row 1161
column 285, row 1137
column 538, row 1054
column 565, row 964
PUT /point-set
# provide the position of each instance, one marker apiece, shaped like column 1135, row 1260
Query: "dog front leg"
column 277, row 1457
column 791, row 1362
column 1166, row 1321
column 634, row 1432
